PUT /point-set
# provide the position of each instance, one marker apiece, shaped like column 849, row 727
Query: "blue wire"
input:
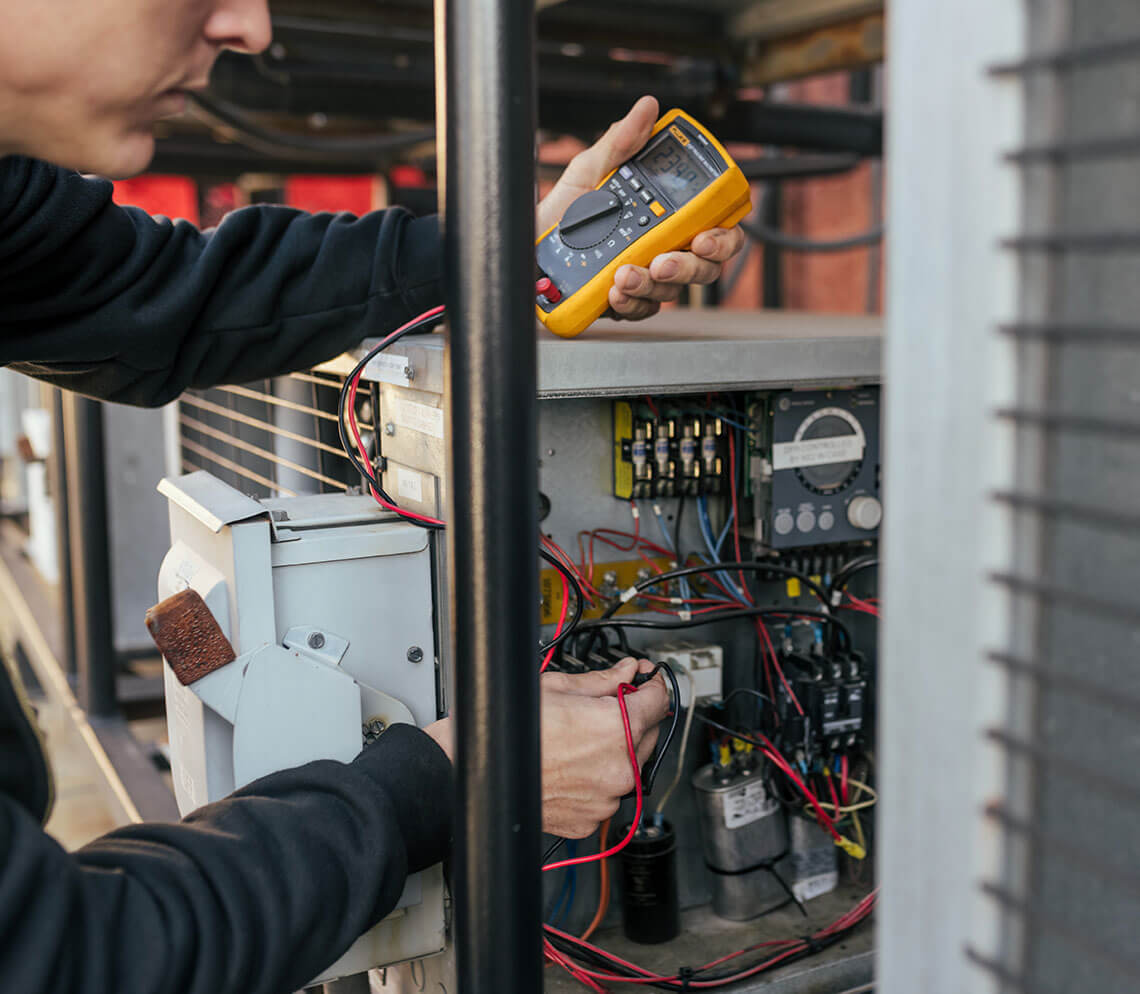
column 714, row 549
column 569, row 884
column 685, row 592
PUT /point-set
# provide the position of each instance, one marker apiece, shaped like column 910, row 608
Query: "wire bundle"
column 593, row 966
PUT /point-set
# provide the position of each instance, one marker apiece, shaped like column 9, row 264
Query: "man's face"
column 82, row 82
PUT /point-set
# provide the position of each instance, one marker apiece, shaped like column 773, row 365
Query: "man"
column 261, row 891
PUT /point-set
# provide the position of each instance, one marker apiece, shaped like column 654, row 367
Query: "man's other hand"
column 638, row 292
column 585, row 762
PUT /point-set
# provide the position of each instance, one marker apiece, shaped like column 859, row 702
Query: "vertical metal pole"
column 488, row 188
column 90, row 555
column 57, row 474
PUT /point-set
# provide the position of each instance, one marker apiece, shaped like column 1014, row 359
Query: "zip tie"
column 629, row 594
column 836, row 598
column 635, row 510
column 685, row 615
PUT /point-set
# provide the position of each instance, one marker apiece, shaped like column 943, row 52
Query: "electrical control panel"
column 693, row 442
column 816, row 470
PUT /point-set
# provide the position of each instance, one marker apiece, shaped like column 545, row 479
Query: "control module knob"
column 590, row 219
column 865, row 513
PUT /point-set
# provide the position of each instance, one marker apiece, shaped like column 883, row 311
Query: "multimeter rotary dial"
column 830, row 422
column 590, row 220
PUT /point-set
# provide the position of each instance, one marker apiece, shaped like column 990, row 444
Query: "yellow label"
column 623, row 468
column 550, row 588
column 678, row 134
column 794, row 587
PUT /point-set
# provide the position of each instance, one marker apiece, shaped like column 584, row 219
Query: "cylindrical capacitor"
column 743, row 829
column 650, row 911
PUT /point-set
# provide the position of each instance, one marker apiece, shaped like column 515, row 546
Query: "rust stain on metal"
column 187, row 634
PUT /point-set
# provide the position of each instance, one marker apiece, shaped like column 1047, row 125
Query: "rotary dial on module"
column 831, row 422
column 590, row 220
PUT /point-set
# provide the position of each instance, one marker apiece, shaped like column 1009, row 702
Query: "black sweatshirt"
column 260, row 892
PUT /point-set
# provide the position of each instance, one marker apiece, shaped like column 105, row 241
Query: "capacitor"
column 745, row 837
column 650, row 910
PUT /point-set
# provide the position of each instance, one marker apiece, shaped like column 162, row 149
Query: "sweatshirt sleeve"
column 255, row 894
column 119, row 305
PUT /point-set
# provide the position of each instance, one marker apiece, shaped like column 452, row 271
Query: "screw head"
column 409, row 372
column 415, row 654
column 316, row 640
column 389, row 428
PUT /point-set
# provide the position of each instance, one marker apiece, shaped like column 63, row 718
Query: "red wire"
column 623, row 690
column 843, row 772
column 351, row 413
column 825, row 821
column 830, row 781
column 790, row 947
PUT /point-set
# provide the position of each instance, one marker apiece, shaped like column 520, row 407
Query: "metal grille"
column 272, row 437
column 1070, row 893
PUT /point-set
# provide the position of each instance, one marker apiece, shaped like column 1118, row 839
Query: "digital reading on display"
column 679, row 176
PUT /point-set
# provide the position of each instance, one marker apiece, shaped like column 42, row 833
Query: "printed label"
column 817, row 452
column 747, row 804
column 419, row 417
column 386, row 368
column 825, row 883
column 409, row 484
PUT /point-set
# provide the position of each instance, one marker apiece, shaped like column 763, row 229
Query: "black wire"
column 600, row 629
column 708, row 619
column 650, row 778
column 755, row 567
column 346, row 442
column 327, row 148
column 579, row 601
column 557, row 844
column 744, row 690
column 843, row 577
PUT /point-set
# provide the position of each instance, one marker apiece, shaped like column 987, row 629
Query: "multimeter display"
column 679, row 175
column 681, row 183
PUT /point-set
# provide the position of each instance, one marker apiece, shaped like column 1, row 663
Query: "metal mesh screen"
column 1070, row 890
column 272, row 437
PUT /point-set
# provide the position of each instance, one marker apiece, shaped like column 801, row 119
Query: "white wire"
column 680, row 671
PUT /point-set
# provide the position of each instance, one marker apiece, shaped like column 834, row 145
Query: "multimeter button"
column 635, row 183
column 657, row 208
column 646, row 196
column 545, row 287
column 626, row 172
column 643, row 220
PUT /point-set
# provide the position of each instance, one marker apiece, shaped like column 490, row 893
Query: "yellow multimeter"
column 681, row 183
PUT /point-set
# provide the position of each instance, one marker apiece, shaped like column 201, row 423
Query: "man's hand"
column 585, row 762
column 637, row 293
